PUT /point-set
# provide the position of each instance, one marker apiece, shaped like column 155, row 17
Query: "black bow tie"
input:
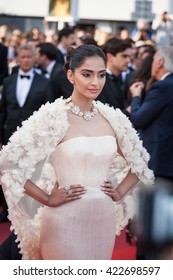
column 25, row 76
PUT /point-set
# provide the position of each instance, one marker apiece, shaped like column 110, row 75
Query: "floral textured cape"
column 27, row 156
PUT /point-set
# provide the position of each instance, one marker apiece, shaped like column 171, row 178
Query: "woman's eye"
column 102, row 75
column 86, row 75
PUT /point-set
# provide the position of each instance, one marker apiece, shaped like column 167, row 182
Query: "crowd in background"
column 159, row 32
column 133, row 69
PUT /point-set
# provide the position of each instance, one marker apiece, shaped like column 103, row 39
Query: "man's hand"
column 136, row 89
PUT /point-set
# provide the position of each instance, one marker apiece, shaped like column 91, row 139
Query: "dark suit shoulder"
column 57, row 69
column 3, row 49
column 60, row 57
column 10, row 78
column 163, row 85
column 41, row 78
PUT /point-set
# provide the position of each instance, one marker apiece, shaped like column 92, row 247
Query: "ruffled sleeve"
column 27, row 156
column 135, row 159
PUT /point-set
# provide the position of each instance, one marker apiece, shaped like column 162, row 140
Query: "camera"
column 154, row 226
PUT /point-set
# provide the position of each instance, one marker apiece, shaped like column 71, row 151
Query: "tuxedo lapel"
column 53, row 71
column 115, row 92
column 56, row 68
column 13, row 89
column 31, row 91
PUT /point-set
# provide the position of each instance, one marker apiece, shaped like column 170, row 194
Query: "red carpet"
column 122, row 251
column 4, row 231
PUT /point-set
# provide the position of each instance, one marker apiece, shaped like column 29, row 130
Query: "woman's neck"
column 85, row 104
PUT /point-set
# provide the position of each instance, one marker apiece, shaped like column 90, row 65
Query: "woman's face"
column 89, row 78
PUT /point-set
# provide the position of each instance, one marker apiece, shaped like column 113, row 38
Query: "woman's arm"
column 126, row 185
column 58, row 195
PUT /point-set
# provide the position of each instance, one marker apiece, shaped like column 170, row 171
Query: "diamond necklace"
column 77, row 111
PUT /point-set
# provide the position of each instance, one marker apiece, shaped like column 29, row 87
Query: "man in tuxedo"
column 66, row 38
column 23, row 93
column 46, row 58
column 154, row 118
column 3, row 63
column 118, row 53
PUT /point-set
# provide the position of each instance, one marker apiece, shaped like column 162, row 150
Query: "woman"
column 77, row 146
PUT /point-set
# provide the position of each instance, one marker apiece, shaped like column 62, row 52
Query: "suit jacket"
column 62, row 86
column 11, row 114
column 60, row 57
column 112, row 93
column 9, row 248
column 3, row 63
column 154, row 119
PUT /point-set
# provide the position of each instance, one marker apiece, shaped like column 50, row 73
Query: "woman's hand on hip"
column 66, row 194
column 110, row 190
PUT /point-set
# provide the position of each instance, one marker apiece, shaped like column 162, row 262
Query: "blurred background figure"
column 51, row 35
column 163, row 29
column 102, row 33
column 85, row 39
column 154, row 223
column 14, row 43
column 23, row 93
column 118, row 54
column 3, row 64
column 66, row 38
column 46, row 58
column 123, row 33
column 143, row 74
column 154, row 116
column 4, row 34
column 142, row 31
column 144, row 50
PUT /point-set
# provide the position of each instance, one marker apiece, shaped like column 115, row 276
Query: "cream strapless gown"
column 83, row 229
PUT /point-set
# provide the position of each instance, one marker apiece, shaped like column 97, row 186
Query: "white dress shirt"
column 23, row 86
column 49, row 69
column 63, row 51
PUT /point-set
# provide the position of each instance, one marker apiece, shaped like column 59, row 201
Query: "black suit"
column 3, row 63
column 11, row 114
column 154, row 119
column 112, row 92
column 60, row 57
column 9, row 249
column 62, row 86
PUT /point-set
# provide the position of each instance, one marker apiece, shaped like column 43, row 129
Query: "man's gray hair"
column 166, row 52
column 26, row 47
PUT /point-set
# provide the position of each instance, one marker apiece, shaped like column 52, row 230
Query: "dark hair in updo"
column 77, row 56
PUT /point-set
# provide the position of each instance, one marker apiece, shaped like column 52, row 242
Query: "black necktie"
column 25, row 76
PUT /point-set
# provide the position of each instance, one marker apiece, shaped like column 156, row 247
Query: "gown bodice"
column 84, row 160
column 83, row 228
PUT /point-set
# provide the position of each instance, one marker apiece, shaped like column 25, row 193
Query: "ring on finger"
column 68, row 190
